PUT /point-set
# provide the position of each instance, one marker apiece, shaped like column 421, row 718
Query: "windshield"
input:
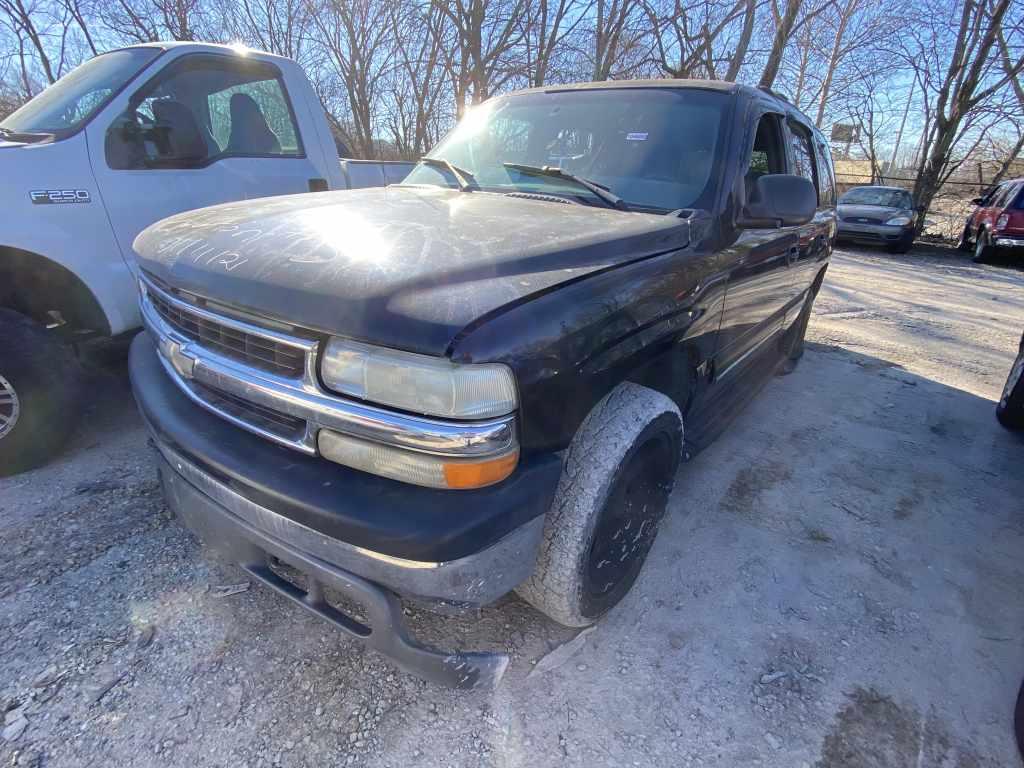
column 74, row 98
column 885, row 198
column 656, row 148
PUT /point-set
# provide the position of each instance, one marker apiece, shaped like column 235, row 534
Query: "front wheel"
column 618, row 473
column 39, row 377
column 982, row 250
column 1010, row 409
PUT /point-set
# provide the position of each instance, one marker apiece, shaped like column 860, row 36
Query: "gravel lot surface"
column 839, row 583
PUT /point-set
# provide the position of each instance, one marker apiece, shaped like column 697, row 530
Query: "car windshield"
column 656, row 148
column 879, row 196
column 73, row 99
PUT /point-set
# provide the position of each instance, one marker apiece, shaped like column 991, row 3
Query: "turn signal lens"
column 414, row 467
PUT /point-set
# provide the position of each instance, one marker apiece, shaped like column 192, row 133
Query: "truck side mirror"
column 977, row 200
column 778, row 200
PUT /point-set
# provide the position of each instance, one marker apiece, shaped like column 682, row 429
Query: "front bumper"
column 872, row 233
column 1008, row 241
column 369, row 538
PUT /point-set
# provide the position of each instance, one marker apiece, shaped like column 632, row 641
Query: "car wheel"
column 904, row 244
column 982, row 250
column 1010, row 409
column 39, row 377
column 615, row 484
column 964, row 243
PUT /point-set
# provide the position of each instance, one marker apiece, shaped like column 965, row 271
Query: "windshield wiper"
column 599, row 190
column 463, row 177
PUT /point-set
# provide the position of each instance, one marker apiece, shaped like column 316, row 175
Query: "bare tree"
column 955, row 91
column 686, row 38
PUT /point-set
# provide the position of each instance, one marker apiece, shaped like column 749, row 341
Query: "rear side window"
column 826, row 177
column 803, row 155
column 1001, row 196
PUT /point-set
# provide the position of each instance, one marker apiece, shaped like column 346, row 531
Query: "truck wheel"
column 1010, row 409
column 982, row 250
column 618, row 473
column 964, row 243
column 38, row 388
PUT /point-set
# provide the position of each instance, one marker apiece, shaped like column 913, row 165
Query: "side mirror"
column 778, row 200
column 977, row 200
column 920, row 208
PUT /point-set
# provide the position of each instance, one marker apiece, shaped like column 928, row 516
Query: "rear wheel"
column 619, row 471
column 39, row 378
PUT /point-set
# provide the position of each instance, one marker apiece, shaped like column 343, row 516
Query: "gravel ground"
column 838, row 584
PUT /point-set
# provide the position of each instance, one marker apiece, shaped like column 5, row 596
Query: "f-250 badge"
column 59, row 196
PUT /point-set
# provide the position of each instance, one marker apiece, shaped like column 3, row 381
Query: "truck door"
column 814, row 235
column 760, row 284
column 207, row 129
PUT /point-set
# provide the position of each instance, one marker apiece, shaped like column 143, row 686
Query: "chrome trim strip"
column 185, row 360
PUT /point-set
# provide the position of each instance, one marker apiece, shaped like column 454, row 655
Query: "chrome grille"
column 257, row 351
column 863, row 220
column 261, row 417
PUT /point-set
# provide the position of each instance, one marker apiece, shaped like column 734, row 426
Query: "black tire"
column 1010, row 408
column 904, row 244
column 982, row 250
column 964, row 243
column 618, row 474
column 39, row 379
column 1018, row 721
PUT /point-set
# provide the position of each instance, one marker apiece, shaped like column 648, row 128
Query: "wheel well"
column 35, row 286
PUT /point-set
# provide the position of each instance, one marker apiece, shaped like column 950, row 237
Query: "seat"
column 181, row 138
column 250, row 134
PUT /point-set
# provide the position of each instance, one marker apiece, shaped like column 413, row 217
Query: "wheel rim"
column 979, row 247
column 10, row 407
column 627, row 527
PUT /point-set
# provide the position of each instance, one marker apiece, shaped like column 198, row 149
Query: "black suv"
column 482, row 379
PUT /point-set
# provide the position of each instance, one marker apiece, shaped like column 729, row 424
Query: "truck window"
column 767, row 155
column 204, row 108
column 827, row 179
column 265, row 97
column 803, row 155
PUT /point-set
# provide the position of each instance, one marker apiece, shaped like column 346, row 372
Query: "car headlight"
column 899, row 221
column 421, row 384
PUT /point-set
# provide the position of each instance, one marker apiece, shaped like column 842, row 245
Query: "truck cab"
column 130, row 137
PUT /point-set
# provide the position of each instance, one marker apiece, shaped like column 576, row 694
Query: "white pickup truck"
column 129, row 138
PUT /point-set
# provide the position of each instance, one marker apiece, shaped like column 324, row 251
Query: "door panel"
column 208, row 129
column 760, row 284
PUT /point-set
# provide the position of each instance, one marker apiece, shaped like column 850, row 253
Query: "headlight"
column 418, row 383
column 899, row 221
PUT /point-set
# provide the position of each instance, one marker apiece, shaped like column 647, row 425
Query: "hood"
column 404, row 267
column 878, row 212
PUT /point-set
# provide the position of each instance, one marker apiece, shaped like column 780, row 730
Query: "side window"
column 768, row 155
column 826, row 177
column 803, row 155
column 202, row 108
column 253, row 118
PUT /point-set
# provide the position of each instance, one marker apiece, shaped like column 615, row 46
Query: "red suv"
column 997, row 224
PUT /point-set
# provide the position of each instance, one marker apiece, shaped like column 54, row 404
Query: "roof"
column 199, row 47
column 665, row 82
